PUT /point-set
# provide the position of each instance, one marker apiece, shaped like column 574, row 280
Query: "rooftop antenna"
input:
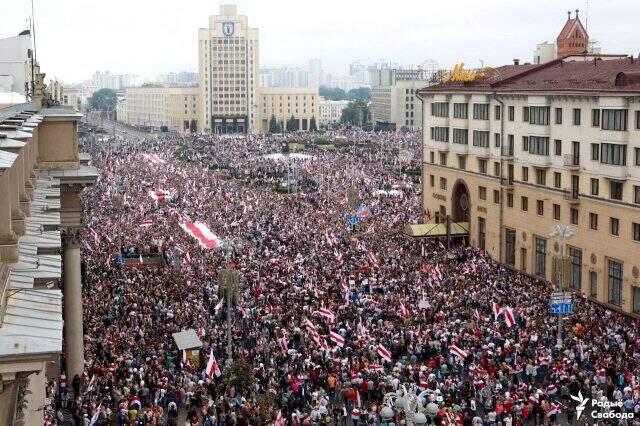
column 33, row 27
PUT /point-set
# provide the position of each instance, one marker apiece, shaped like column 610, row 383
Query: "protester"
column 331, row 318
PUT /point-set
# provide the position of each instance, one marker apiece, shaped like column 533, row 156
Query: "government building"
column 228, row 56
column 171, row 108
column 527, row 147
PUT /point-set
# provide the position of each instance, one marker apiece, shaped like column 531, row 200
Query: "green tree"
column 274, row 126
column 312, row 124
column 292, row 124
column 359, row 93
column 239, row 375
column 103, row 100
column 332, row 93
column 357, row 113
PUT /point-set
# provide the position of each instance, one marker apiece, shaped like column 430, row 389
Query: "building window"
column 557, row 147
column 525, row 174
column 614, row 226
column 462, row 162
column 615, row 190
column 636, row 300
column 480, row 111
column 595, row 186
column 496, row 138
column 636, row 194
column 539, row 145
column 615, row 282
column 637, row 156
column 593, row 221
column 509, row 200
column 614, row 119
column 558, row 115
column 512, row 114
column 461, row 136
column 496, row 196
column 557, row 179
column 595, row 117
column 480, row 138
column 482, row 166
column 432, row 157
column 510, row 247
column 460, row 111
column 556, row 212
column 615, row 154
column 524, row 204
column 440, row 134
column 593, row 284
column 525, row 114
column 540, row 207
column 443, row 158
column 482, row 192
column 576, row 116
column 496, row 168
column 539, row 115
column 482, row 231
column 575, row 255
column 635, row 231
column 432, row 180
column 443, row 184
column 439, row 109
column 541, row 256
column 595, row 152
column 525, row 143
column 574, row 216
column 541, row 177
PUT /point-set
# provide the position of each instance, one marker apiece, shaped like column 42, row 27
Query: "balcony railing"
column 572, row 195
column 571, row 160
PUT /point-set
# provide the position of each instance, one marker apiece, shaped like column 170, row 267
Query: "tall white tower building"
column 229, row 73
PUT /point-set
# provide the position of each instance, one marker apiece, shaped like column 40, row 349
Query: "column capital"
column 72, row 237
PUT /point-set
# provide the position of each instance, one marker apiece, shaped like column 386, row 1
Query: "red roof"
column 557, row 75
column 568, row 27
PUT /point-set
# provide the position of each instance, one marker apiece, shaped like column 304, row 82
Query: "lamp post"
column 228, row 280
column 563, row 233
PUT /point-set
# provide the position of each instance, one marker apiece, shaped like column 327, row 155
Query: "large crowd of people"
column 335, row 323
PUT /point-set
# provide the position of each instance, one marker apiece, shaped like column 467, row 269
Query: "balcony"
column 539, row 160
column 572, row 195
column 612, row 171
column 507, row 152
column 481, row 151
column 440, row 146
column 507, row 183
column 460, row 148
column 571, row 162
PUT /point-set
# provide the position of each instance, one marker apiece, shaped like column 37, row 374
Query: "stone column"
column 73, row 327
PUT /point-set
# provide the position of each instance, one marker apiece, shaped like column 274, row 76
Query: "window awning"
column 434, row 230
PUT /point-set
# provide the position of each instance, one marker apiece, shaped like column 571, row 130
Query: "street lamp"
column 563, row 233
column 228, row 281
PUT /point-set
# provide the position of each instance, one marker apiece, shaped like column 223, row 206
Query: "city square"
column 277, row 245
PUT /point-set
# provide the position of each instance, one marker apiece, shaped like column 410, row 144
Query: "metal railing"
column 571, row 160
column 571, row 194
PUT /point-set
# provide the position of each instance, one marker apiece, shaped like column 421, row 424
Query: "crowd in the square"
column 338, row 324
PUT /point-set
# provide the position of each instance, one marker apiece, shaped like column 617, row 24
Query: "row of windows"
column 616, row 188
column 605, row 118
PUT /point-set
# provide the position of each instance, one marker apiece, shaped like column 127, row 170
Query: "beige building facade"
column 177, row 108
column 41, row 177
column 514, row 155
column 331, row 111
column 301, row 103
column 229, row 76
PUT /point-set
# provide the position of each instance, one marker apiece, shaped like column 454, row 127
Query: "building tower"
column 228, row 59
column 573, row 39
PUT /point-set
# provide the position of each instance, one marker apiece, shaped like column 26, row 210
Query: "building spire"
column 569, row 13
column 577, row 11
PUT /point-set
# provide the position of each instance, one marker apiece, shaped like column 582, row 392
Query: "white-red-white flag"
column 284, row 343
column 310, row 327
column 212, row 366
column 323, row 312
column 496, row 310
column 146, row 223
column 373, row 260
column 203, row 234
column 384, row 352
column 508, row 316
column 458, row 352
column 336, row 338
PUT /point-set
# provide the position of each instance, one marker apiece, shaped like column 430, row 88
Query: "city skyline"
column 119, row 41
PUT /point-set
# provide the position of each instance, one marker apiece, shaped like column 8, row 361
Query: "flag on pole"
column 458, row 352
column 384, row 352
column 202, row 233
column 310, row 327
column 95, row 235
column 496, row 310
column 212, row 366
column 373, row 260
column 508, row 316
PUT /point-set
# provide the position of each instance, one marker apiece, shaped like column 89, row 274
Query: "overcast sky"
column 146, row 37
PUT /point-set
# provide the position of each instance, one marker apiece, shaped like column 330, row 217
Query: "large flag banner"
column 336, row 338
column 458, row 352
column 153, row 158
column 203, row 234
column 323, row 312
